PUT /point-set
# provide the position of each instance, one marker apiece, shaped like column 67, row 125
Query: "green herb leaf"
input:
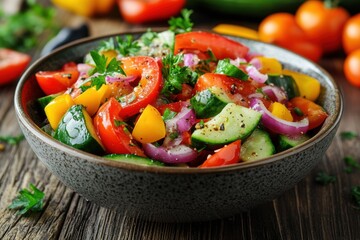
column 127, row 46
column 28, row 201
column 183, row 23
column 168, row 114
column 351, row 164
column 355, row 192
column 348, row 135
column 13, row 140
column 148, row 37
column 324, row 178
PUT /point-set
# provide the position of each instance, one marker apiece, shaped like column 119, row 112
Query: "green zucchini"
column 257, row 146
column 130, row 158
column 76, row 130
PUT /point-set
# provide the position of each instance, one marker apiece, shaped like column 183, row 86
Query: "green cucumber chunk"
column 232, row 123
column 209, row 102
column 130, row 158
column 286, row 142
column 76, row 130
column 225, row 67
column 257, row 146
column 43, row 101
column 286, row 82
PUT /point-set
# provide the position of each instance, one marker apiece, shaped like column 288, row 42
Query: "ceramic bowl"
column 174, row 194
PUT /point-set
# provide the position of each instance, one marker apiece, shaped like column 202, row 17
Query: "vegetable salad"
column 179, row 98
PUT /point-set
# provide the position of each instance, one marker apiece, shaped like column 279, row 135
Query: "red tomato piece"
column 221, row 47
column 141, row 11
column 148, row 88
column 12, row 65
column 235, row 89
column 314, row 112
column 112, row 132
column 227, row 155
column 52, row 82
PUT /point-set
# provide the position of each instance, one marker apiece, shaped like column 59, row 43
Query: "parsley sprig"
column 351, row 164
column 324, row 178
column 183, row 23
column 355, row 192
column 28, row 201
column 127, row 46
column 13, row 140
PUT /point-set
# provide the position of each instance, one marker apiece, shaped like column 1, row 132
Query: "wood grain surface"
column 308, row 211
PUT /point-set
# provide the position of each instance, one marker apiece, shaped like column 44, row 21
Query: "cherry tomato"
column 236, row 90
column 314, row 112
column 352, row 68
column 227, row 155
column 174, row 106
column 305, row 48
column 148, row 88
column 322, row 24
column 279, row 28
column 141, row 11
column 112, row 131
column 12, row 65
column 52, row 82
column 220, row 46
column 351, row 34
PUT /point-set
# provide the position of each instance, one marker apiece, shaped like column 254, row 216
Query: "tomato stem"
column 331, row 3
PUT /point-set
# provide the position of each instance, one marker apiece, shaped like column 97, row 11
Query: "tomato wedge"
column 112, row 131
column 52, row 82
column 220, row 46
column 229, row 154
column 148, row 88
column 12, row 65
column 315, row 113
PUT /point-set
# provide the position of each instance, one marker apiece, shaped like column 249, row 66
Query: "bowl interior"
column 28, row 91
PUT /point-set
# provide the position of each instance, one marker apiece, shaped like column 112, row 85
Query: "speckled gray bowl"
column 168, row 193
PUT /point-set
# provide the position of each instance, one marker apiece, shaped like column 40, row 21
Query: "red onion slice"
column 112, row 79
column 275, row 93
column 276, row 124
column 255, row 75
column 190, row 59
column 176, row 154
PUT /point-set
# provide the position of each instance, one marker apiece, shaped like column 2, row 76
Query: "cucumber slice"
column 76, row 130
column 285, row 82
column 225, row 67
column 209, row 102
column 286, row 142
column 130, row 158
column 257, row 146
column 43, row 101
column 232, row 123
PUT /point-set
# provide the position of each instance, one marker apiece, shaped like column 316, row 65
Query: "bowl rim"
column 36, row 130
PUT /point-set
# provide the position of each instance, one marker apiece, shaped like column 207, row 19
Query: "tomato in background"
column 351, row 34
column 322, row 23
column 306, row 49
column 352, row 68
column 141, row 11
column 12, row 65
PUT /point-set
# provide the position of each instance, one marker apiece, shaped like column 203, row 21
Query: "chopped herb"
column 348, row 135
column 168, row 114
column 173, row 135
column 183, row 23
column 106, row 45
column 119, row 123
column 201, row 123
column 28, row 201
column 324, row 178
column 351, row 164
column 127, row 46
column 13, row 140
column 298, row 111
column 148, row 37
column 355, row 192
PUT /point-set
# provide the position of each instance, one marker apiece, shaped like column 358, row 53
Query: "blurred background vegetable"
column 87, row 8
column 351, row 34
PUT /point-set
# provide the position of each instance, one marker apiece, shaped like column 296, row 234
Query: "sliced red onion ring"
column 176, row 154
column 237, row 61
column 190, row 59
column 84, row 68
column 275, row 93
column 256, row 63
column 112, row 79
column 276, row 124
column 183, row 121
column 255, row 75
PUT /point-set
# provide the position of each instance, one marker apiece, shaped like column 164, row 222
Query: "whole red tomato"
column 352, row 68
column 351, row 34
column 322, row 23
column 12, row 65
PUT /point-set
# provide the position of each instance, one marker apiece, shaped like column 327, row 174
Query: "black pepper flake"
column 242, row 125
column 222, row 127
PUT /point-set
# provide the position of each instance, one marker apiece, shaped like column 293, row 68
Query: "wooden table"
column 308, row 211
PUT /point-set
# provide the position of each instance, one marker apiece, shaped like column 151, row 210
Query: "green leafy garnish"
column 127, row 46
column 148, row 37
column 183, row 23
column 28, row 201
column 175, row 75
column 168, row 114
column 348, row 135
column 355, row 192
column 324, row 178
column 351, row 164
column 13, row 140
column 21, row 31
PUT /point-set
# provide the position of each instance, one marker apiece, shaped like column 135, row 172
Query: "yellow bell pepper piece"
column 270, row 66
column 150, row 126
column 236, row 30
column 56, row 109
column 86, row 8
column 309, row 87
column 92, row 98
column 280, row 110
